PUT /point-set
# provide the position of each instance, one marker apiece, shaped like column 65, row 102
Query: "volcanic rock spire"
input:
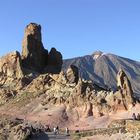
column 125, row 87
column 34, row 55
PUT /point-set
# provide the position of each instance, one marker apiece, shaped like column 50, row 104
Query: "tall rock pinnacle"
column 125, row 89
column 34, row 55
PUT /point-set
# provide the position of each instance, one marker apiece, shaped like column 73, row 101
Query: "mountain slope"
column 102, row 69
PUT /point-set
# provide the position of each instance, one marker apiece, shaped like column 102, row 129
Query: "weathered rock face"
column 88, row 110
column 123, row 98
column 10, row 68
column 54, row 61
column 34, row 56
column 72, row 74
column 125, row 88
column 120, row 79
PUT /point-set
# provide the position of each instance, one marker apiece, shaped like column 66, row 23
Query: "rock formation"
column 123, row 98
column 10, row 68
column 72, row 74
column 125, row 89
column 54, row 62
column 34, row 56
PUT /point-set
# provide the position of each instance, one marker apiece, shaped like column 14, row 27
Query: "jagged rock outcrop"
column 125, row 88
column 72, row 74
column 81, row 94
column 55, row 62
column 34, row 56
column 10, row 68
column 88, row 110
column 6, row 94
column 123, row 98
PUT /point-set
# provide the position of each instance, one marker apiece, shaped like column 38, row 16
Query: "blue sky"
column 74, row 27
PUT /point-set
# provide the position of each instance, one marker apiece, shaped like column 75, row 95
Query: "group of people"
column 136, row 117
column 56, row 130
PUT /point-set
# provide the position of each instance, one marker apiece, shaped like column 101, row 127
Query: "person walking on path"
column 54, row 130
column 57, row 130
column 138, row 117
column 67, row 131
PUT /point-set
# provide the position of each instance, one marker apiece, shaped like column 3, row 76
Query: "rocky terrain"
column 102, row 68
column 35, row 88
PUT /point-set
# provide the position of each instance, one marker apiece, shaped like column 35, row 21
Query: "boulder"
column 34, row 56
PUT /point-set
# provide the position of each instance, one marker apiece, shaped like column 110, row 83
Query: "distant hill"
column 102, row 69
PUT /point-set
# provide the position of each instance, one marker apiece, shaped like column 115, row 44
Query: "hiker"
column 57, row 129
column 138, row 117
column 134, row 116
column 67, row 131
column 48, row 128
column 54, row 130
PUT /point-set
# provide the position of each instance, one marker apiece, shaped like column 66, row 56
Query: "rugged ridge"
column 102, row 69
